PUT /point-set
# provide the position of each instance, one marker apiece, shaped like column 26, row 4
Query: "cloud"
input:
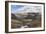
column 15, row 7
column 25, row 8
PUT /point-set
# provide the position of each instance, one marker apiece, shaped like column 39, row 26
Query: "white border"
column 25, row 29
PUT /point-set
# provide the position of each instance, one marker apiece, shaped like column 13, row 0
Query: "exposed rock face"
column 21, row 15
column 24, row 16
column 12, row 16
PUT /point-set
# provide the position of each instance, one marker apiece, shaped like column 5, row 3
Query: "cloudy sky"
column 25, row 8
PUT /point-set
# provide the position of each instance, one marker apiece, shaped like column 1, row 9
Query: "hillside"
column 30, row 21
